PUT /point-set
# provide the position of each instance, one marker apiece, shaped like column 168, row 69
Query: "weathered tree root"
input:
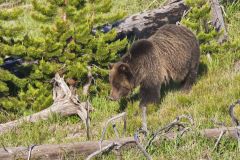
column 65, row 103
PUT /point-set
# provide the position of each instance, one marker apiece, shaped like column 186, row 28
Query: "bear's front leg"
column 149, row 94
column 144, row 117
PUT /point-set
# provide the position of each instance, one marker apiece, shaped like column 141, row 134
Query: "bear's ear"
column 110, row 65
column 124, row 68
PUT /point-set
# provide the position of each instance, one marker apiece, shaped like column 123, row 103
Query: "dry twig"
column 102, row 150
column 218, row 140
column 141, row 148
column 30, row 151
column 170, row 126
column 121, row 115
column 10, row 5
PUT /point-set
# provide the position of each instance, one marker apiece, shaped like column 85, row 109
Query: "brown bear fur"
column 172, row 53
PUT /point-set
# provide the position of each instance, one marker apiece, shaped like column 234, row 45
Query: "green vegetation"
column 218, row 86
column 64, row 44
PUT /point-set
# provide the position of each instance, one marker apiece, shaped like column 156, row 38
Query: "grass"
column 134, row 6
column 217, row 87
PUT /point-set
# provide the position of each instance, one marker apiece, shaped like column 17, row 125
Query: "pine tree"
column 198, row 19
column 66, row 44
column 68, row 40
column 11, row 38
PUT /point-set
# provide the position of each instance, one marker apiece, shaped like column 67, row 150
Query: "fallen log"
column 58, row 151
column 216, row 132
column 65, row 103
column 89, row 149
column 145, row 24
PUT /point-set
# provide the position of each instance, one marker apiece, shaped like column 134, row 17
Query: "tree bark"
column 145, row 24
column 58, row 151
column 215, row 132
column 218, row 20
column 66, row 103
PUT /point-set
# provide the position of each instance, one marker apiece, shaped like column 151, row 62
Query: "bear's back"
column 166, row 55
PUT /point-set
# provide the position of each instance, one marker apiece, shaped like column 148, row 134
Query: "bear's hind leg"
column 190, row 78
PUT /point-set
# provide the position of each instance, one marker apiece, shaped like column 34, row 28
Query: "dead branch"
column 10, row 4
column 218, row 20
column 87, row 85
column 218, row 140
column 56, row 151
column 235, row 121
column 136, row 136
column 170, row 126
column 65, row 104
column 141, row 148
column 121, row 115
column 30, row 152
column 102, row 150
column 116, row 146
column 227, row 131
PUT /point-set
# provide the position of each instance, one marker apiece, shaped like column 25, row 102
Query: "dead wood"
column 10, row 4
column 65, row 103
column 91, row 149
column 111, row 120
column 218, row 140
column 58, row 151
column 166, row 129
column 218, row 20
column 145, row 24
column 216, row 132
column 227, row 131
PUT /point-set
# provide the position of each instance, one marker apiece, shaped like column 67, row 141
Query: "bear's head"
column 121, row 80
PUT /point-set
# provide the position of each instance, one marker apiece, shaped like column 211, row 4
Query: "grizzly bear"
column 172, row 53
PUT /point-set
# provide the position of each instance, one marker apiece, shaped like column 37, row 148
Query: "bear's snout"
column 114, row 96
